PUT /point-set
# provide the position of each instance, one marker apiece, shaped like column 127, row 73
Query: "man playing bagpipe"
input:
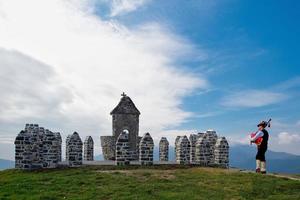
column 260, row 138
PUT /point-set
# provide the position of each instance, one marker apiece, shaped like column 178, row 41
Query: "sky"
column 188, row 66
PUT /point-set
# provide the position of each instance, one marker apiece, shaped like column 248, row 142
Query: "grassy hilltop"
column 156, row 182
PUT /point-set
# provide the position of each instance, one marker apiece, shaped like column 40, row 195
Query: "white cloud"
column 288, row 138
column 119, row 7
column 252, row 98
column 64, row 67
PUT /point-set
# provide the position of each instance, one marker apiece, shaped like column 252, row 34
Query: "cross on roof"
column 123, row 94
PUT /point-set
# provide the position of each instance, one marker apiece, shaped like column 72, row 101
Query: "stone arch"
column 146, row 150
column 122, row 149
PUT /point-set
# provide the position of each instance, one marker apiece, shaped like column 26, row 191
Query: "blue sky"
column 188, row 65
column 251, row 45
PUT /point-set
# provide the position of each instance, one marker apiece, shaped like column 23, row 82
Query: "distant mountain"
column 243, row 157
column 6, row 164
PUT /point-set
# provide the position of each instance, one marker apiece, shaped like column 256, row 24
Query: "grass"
column 134, row 182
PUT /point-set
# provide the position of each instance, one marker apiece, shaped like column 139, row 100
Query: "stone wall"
column 23, row 155
column 37, row 148
column 122, row 149
column 51, row 149
column 88, row 153
column 221, row 153
column 163, row 149
column 146, row 150
column 202, row 153
column 74, row 146
column 183, row 150
column 108, row 144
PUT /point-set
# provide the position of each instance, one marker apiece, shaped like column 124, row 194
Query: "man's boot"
column 263, row 167
column 258, row 163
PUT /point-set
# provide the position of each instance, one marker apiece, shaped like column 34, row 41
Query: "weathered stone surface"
column 67, row 147
column 108, row 144
column 88, row 154
column 183, row 150
column 193, row 139
column 59, row 151
column 202, row 153
column 212, row 137
column 138, row 146
column 122, row 149
column 175, row 145
column 51, row 149
column 37, row 148
column 163, row 149
column 221, row 152
column 146, row 150
column 74, row 146
column 125, row 116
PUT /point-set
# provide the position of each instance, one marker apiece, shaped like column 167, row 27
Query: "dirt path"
column 288, row 176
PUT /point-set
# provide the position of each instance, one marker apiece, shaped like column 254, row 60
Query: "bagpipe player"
column 260, row 138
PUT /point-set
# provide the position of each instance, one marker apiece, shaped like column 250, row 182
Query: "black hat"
column 262, row 123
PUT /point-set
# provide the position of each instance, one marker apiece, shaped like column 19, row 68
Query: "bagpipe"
column 259, row 140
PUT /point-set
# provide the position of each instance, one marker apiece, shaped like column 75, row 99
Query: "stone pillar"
column 88, row 149
column 51, row 151
column 146, row 150
column 74, row 146
column 163, row 149
column 221, row 153
column 202, row 154
column 175, row 147
column 183, row 150
column 122, row 149
column 212, row 137
column 193, row 139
